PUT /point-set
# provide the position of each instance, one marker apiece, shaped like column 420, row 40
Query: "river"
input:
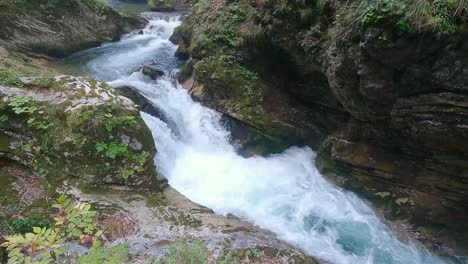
column 284, row 193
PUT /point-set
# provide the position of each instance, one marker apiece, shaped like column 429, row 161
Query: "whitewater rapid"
column 283, row 193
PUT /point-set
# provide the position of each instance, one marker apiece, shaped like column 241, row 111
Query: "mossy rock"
column 77, row 126
column 161, row 5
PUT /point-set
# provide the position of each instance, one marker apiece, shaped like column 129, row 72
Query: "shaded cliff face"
column 386, row 105
column 61, row 29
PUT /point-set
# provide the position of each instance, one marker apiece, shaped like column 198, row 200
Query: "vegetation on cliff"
column 361, row 77
column 443, row 17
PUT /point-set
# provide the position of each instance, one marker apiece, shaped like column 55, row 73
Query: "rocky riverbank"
column 383, row 99
column 76, row 136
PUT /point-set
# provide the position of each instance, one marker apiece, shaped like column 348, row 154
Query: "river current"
column 284, row 193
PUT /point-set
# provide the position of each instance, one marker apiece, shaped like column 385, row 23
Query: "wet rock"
column 161, row 5
column 150, row 222
column 143, row 103
column 87, row 25
column 182, row 51
column 153, row 73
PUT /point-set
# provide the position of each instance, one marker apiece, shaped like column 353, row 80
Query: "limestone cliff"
column 60, row 29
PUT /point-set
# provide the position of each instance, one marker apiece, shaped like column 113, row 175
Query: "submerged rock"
column 153, row 73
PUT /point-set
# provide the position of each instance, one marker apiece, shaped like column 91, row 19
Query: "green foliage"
column 8, row 77
column 74, row 221
column 112, row 149
column 101, row 254
column 227, row 259
column 224, row 71
column 185, row 253
column 24, row 225
column 22, row 248
column 195, row 252
column 161, row 4
column 21, row 104
column 5, row 228
column 254, row 252
column 42, row 80
column 97, row 119
column 3, row 118
column 444, row 17
column 27, row 105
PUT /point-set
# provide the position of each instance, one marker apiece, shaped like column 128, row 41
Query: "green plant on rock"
column 104, row 255
column 45, row 245
column 3, row 118
column 22, row 249
column 443, row 17
column 22, row 104
column 24, row 225
column 112, row 149
column 184, row 252
column 36, row 112
column 75, row 219
column 8, row 77
column 254, row 253
column 196, row 252
column 138, row 161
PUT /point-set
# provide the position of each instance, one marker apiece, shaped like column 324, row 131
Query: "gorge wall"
column 60, row 28
column 382, row 98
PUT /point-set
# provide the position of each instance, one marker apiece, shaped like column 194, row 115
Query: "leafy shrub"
column 112, row 149
column 24, row 225
column 10, row 78
column 102, row 254
column 74, row 221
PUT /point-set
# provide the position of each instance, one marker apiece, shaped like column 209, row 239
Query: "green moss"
column 161, row 4
column 4, row 143
column 223, row 72
column 67, row 141
column 185, row 72
column 8, row 194
column 443, row 17
column 9, row 77
column 330, row 167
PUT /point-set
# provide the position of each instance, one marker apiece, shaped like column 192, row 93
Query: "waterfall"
column 284, row 193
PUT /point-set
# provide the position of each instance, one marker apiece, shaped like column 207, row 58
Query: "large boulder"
column 66, row 125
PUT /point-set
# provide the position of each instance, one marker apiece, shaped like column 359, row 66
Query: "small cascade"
column 284, row 193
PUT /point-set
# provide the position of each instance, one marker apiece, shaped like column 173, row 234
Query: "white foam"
column 284, row 193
